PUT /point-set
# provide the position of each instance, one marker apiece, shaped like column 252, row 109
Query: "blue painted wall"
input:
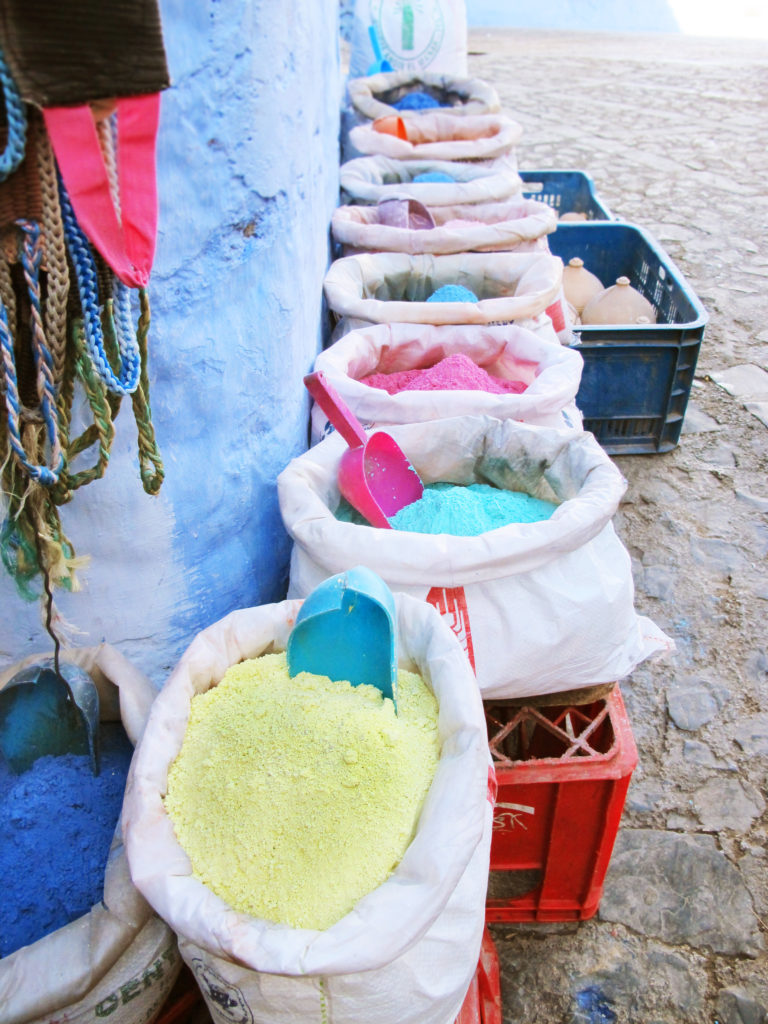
column 248, row 178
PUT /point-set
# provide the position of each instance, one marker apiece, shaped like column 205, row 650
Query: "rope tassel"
column 127, row 379
column 31, row 256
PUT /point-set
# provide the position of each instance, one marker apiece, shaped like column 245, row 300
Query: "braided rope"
column 150, row 460
column 31, row 256
column 104, row 406
column 13, row 153
column 31, row 259
column 57, row 291
column 127, row 380
column 106, row 133
column 7, row 296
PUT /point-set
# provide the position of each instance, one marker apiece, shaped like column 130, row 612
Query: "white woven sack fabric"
column 119, row 960
column 394, row 287
column 372, row 96
column 441, row 136
column 414, row 35
column 369, row 179
column 516, row 225
column 551, row 371
column 539, row 607
column 408, row 950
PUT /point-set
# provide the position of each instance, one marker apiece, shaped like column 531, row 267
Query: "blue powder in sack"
column 452, row 293
column 57, row 821
column 416, row 101
column 434, row 176
column 469, row 511
column 460, row 511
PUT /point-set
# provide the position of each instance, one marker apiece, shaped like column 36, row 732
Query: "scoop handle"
column 336, row 409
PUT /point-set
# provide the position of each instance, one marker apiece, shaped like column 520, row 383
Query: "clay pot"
column 619, row 304
column 580, row 286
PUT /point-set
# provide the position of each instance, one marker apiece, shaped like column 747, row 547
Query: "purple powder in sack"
column 57, row 821
column 456, row 372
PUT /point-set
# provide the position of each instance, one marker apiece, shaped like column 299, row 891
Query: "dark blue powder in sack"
column 57, row 821
column 416, row 101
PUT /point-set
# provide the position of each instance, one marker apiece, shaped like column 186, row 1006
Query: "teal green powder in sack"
column 461, row 511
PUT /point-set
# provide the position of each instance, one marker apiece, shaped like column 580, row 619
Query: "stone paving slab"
column 674, row 132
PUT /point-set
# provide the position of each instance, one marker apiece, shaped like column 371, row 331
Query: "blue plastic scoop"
column 380, row 64
column 346, row 630
column 46, row 711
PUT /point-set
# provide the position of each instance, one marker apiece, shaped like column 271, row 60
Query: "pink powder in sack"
column 454, row 373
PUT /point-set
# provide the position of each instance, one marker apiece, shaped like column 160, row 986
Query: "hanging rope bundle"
column 66, row 335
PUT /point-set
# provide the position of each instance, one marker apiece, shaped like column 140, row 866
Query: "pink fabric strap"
column 128, row 244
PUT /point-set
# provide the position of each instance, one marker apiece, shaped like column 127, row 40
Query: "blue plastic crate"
column 566, row 192
column 637, row 379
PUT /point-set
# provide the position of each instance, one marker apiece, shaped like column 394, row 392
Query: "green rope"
column 104, row 408
column 150, row 462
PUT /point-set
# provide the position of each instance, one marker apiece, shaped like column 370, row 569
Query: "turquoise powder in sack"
column 461, row 511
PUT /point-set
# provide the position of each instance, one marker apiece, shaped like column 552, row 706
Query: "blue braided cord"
column 126, row 336
column 31, row 260
column 87, row 287
column 41, row 474
column 13, row 153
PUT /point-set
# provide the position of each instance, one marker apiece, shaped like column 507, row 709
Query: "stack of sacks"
column 456, row 180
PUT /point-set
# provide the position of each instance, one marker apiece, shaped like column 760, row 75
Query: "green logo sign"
column 410, row 32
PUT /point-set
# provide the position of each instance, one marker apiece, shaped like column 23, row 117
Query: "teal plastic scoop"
column 45, row 711
column 346, row 630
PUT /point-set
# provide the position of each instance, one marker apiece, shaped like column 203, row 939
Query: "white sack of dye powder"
column 539, row 608
column 551, row 372
column 408, row 950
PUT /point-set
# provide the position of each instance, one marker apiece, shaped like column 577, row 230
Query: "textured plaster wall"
column 248, row 177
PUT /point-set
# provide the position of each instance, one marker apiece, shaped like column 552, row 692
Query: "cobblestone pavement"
column 673, row 130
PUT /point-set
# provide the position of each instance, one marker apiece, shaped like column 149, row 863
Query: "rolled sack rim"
column 556, row 382
column 479, row 96
column 536, row 278
column 350, row 228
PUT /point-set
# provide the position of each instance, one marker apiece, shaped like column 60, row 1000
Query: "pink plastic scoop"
column 375, row 475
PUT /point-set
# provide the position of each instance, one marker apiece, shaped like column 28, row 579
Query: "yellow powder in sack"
column 293, row 798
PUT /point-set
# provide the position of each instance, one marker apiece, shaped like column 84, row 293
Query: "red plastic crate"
column 482, row 1004
column 563, row 774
